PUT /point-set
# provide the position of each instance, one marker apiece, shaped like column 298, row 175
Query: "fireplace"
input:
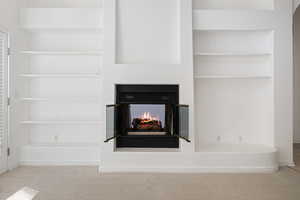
column 147, row 116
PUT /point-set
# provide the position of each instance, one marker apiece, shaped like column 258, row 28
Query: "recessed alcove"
column 234, row 111
column 233, row 65
column 80, row 40
column 148, row 32
column 234, row 42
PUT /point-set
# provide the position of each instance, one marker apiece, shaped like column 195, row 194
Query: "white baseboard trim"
column 287, row 164
column 190, row 170
column 2, row 171
column 59, row 163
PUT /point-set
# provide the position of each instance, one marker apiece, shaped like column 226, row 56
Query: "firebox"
column 147, row 116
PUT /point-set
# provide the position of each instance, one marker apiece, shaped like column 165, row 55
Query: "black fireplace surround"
column 147, row 116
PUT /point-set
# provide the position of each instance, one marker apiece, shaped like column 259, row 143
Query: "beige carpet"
column 84, row 183
column 297, row 156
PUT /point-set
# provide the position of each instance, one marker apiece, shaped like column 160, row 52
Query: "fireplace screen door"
column 184, row 122
column 111, row 117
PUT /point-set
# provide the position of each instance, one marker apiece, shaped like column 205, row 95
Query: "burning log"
column 146, row 122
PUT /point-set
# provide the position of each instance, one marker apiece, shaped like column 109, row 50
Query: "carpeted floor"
column 84, row 183
column 297, row 156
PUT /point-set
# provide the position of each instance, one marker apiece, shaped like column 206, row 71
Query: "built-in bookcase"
column 233, row 68
column 60, row 85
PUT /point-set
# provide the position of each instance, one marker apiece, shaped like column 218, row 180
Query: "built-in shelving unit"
column 60, row 85
column 233, row 68
column 59, row 98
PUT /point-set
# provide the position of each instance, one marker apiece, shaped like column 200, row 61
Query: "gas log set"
column 147, row 122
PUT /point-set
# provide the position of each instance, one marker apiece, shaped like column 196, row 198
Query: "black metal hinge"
column 8, row 151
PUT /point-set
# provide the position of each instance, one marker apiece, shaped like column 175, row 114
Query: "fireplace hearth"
column 147, row 116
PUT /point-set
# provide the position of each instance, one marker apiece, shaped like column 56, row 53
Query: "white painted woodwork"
column 3, row 101
column 60, row 86
column 231, row 58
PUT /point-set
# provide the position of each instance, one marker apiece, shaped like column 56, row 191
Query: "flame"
column 147, row 116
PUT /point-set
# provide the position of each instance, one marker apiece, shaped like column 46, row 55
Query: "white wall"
column 297, row 76
column 9, row 21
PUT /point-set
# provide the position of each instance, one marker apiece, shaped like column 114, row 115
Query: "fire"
column 146, row 122
column 147, row 117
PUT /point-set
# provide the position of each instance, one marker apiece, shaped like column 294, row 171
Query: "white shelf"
column 233, row 77
column 232, row 54
column 61, row 122
column 235, row 148
column 62, row 52
column 60, row 76
column 61, row 18
column 233, row 19
column 64, row 144
column 62, row 29
column 234, row 29
column 58, row 99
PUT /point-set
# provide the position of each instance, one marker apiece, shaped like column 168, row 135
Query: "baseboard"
column 285, row 164
column 2, row 171
column 190, row 170
column 59, row 163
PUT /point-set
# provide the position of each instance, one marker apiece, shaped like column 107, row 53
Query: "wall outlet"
column 56, row 138
column 240, row 139
column 219, row 138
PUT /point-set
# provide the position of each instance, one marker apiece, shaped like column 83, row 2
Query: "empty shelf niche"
column 223, row 42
